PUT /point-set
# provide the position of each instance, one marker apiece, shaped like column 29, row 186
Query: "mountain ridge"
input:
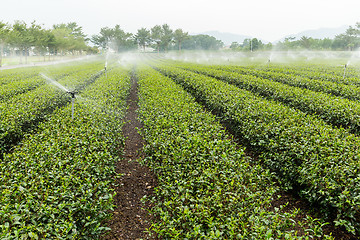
column 319, row 33
column 326, row 32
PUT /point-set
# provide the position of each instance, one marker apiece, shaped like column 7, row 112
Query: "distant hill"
column 226, row 38
column 319, row 33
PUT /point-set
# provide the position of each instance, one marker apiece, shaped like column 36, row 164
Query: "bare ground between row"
column 289, row 198
column 131, row 218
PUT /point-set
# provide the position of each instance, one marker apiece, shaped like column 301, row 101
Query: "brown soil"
column 292, row 202
column 131, row 217
column 131, row 220
column 290, row 199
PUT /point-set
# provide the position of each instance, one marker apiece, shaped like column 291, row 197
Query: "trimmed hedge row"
column 337, row 89
column 333, row 74
column 207, row 188
column 18, row 74
column 334, row 110
column 28, row 81
column 18, row 87
column 57, row 183
column 303, row 150
column 13, row 75
column 22, row 113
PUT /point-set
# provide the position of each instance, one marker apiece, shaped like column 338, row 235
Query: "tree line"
column 22, row 39
column 350, row 40
column 159, row 38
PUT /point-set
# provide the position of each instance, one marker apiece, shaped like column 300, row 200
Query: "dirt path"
column 130, row 220
column 45, row 63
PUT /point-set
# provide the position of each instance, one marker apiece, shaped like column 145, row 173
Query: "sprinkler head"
column 72, row 93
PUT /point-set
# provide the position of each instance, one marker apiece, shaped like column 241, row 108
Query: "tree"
column 45, row 42
column 116, row 38
column 256, row 44
column 36, row 33
column 235, row 46
column 62, row 39
column 104, row 38
column 76, row 30
column 122, row 41
column 166, row 37
column 305, row 42
column 252, row 44
column 69, row 37
column 4, row 32
column 143, row 37
column 202, row 42
column 40, row 38
column 268, row 46
column 180, row 36
column 349, row 40
column 79, row 37
column 21, row 38
column 289, row 43
column 156, row 35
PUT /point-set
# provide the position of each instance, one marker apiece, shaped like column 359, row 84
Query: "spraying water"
column 53, row 82
column 96, row 104
column 71, row 93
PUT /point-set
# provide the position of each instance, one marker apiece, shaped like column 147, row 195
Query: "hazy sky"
column 265, row 19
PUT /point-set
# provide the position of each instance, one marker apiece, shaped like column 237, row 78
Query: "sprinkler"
column 269, row 62
column 72, row 95
column 345, row 70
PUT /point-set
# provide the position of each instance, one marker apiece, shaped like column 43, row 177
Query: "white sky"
column 266, row 19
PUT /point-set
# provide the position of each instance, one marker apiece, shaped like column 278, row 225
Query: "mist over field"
column 208, row 120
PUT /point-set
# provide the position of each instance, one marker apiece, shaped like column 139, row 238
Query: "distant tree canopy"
column 69, row 38
column 306, row 43
column 350, row 40
column 250, row 44
column 202, row 42
column 114, row 38
column 180, row 36
column 159, row 37
column 23, row 39
column 143, row 38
